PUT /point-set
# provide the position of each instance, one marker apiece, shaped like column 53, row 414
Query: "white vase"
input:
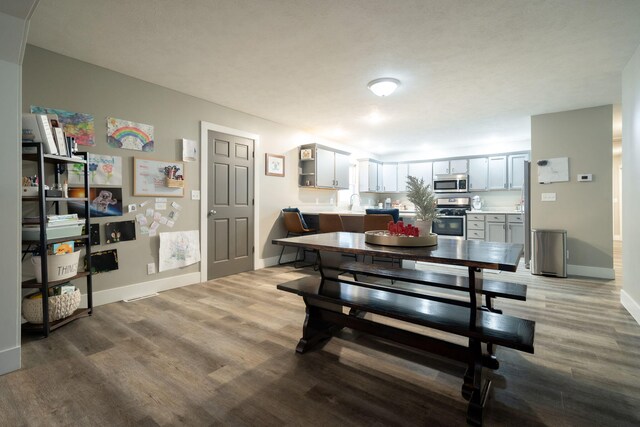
column 423, row 226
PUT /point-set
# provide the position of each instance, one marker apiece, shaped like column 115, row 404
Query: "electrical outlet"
column 151, row 268
column 195, row 194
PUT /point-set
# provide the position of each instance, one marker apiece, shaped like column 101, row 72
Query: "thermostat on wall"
column 585, row 177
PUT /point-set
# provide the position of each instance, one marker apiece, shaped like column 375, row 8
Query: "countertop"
column 496, row 211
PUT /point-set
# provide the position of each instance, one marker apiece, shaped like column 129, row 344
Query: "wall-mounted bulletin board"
column 150, row 178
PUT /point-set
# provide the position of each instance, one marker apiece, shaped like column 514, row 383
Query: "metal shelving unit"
column 41, row 159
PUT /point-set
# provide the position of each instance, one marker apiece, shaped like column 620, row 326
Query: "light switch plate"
column 195, row 194
column 548, row 197
column 151, row 268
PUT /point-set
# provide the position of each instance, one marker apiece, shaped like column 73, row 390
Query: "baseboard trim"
column 587, row 271
column 9, row 360
column 141, row 289
column 631, row 305
column 266, row 262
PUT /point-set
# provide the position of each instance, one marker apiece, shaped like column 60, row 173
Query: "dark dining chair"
column 293, row 222
column 328, row 223
column 394, row 212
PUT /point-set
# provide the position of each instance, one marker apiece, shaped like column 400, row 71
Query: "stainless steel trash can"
column 549, row 252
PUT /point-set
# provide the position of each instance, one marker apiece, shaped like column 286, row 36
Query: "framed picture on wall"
column 274, row 165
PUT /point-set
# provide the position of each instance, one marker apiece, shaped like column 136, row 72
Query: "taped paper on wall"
column 179, row 249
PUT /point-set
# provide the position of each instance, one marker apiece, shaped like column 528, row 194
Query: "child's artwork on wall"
column 103, row 170
column 102, row 201
column 179, row 249
column 155, row 178
column 103, row 261
column 129, row 135
column 79, row 126
column 121, row 231
column 189, row 150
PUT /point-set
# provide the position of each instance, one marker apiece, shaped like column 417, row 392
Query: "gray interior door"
column 230, row 205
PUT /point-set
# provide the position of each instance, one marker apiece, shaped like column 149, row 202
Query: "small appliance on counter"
column 476, row 203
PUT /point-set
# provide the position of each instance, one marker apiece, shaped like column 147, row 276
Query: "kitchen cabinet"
column 370, row 173
column 475, row 227
column 516, row 170
column 515, row 228
column 497, row 173
column 495, row 228
column 478, row 174
column 422, row 170
column 389, row 177
column 441, row 168
column 450, row 167
column 326, row 168
column 403, row 172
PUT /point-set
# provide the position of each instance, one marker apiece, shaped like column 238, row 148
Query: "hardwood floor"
column 222, row 353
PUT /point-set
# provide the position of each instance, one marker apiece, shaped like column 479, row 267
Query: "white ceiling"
column 472, row 72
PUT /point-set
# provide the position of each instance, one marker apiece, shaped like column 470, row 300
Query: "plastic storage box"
column 33, row 233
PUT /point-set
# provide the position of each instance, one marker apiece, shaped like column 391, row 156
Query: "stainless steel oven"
column 452, row 217
column 451, row 184
column 450, row 227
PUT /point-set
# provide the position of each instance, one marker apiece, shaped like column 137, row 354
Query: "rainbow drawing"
column 129, row 135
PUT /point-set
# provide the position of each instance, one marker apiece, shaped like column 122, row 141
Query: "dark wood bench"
column 490, row 288
column 326, row 298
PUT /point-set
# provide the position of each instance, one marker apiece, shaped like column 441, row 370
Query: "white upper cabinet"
column 497, row 173
column 458, row 166
column 516, row 170
column 324, row 168
column 478, row 174
column 403, row 172
column 332, row 169
column 441, row 168
column 389, row 177
column 342, row 171
column 422, row 170
column 450, row 167
column 370, row 172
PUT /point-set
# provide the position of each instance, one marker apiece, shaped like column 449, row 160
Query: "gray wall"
column 584, row 209
column 13, row 32
column 630, row 182
column 57, row 81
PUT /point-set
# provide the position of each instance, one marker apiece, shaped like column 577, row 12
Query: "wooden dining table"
column 404, row 299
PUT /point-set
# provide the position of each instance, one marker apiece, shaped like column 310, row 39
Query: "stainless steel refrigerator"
column 526, row 208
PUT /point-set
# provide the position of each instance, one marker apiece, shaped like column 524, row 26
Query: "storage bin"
column 174, row 183
column 59, row 267
column 60, row 306
column 33, row 233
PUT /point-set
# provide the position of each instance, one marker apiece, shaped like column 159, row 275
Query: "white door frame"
column 205, row 127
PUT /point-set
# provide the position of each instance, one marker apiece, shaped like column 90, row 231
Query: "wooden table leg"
column 479, row 391
column 315, row 330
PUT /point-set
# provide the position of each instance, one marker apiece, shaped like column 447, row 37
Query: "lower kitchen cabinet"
column 502, row 228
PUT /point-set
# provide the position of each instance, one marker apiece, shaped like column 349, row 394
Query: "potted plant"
column 425, row 203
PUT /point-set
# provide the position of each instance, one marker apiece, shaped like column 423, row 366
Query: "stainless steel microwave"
column 451, row 183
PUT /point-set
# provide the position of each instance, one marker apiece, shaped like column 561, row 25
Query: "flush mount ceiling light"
column 383, row 86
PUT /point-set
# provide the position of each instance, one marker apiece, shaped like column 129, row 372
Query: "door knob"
column 212, row 212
